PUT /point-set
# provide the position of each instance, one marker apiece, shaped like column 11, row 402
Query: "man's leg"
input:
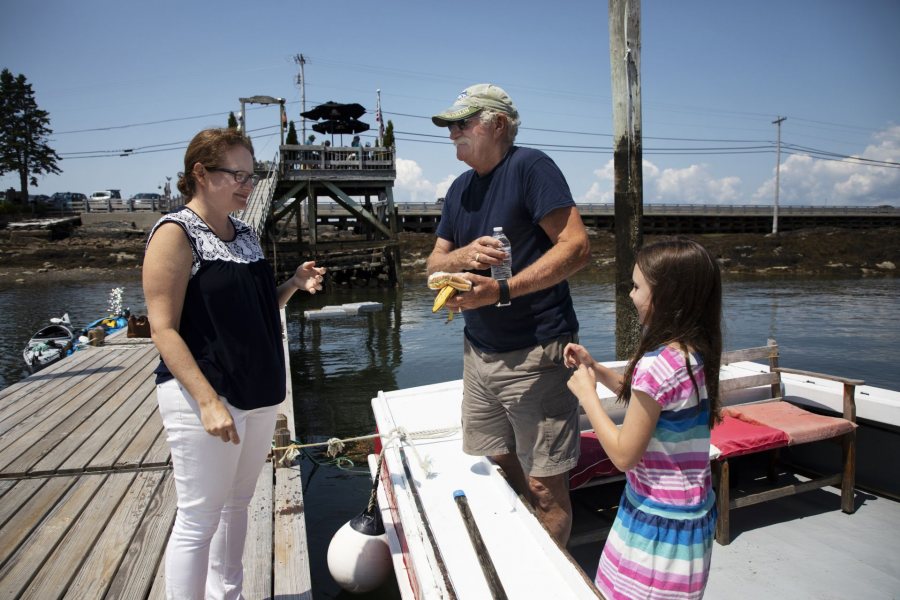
column 512, row 468
column 551, row 501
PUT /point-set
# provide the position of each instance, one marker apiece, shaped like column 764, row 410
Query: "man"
column 516, row 406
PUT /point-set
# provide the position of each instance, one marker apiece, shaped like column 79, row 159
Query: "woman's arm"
column 166, row 272
column 307, row 277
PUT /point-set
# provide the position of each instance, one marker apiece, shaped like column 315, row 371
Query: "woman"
column 214, row 317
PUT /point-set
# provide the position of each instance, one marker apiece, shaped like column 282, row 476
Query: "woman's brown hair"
column 685, row 309
column 208, row 148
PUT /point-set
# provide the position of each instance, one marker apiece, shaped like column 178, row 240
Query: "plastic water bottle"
column 504, row 269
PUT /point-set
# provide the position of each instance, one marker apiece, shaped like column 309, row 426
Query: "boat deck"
column 87, row 498
column 800, row 546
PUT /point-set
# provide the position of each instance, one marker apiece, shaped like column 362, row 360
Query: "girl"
column 661, row 542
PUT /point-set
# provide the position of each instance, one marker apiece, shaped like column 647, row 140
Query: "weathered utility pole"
column 301, row 82
column 777, row 174
column 625, row 63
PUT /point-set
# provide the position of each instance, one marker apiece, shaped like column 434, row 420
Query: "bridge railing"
column 431, row 208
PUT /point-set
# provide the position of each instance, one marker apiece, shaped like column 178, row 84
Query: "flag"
column 380, row 119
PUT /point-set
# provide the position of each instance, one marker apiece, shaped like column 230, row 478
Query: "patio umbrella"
column 341, row 126
column 335, row 110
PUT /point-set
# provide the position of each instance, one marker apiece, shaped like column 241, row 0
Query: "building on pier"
column 359, row 181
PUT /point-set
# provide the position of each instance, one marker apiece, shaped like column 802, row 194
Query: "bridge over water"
column 668, row 218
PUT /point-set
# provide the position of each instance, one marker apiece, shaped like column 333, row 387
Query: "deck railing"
column 311, row 157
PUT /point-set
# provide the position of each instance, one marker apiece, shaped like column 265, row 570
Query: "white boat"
column 49, row 344
column 435, row 557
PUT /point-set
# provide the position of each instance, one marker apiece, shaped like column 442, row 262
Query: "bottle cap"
column 496, row 229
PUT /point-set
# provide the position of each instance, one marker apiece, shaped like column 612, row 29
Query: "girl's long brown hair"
column 685, row 309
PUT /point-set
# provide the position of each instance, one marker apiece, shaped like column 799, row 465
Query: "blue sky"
column 714, row 75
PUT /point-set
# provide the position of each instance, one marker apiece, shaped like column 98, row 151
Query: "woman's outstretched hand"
column 308, row 277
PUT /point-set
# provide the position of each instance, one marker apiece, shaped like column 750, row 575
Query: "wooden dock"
column 87, row 496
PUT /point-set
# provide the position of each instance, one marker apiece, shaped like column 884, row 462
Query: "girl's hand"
column 308, row 277
column 217, row 421
column 575, row 355
column 583, row 383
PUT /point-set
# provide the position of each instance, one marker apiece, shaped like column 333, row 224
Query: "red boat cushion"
column 735, row 436
column 801, row 426
column 592, row 463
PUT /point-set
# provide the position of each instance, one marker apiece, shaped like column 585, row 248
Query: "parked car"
column 144, row 200
column 36, row 199
column 106, row 195
column 67, row 201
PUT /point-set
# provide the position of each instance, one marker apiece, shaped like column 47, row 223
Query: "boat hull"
column 47, row 346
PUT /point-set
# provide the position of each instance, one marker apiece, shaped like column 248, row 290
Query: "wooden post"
column 282, row 437
column 625, row 62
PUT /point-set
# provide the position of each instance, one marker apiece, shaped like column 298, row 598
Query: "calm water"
column 846, row 327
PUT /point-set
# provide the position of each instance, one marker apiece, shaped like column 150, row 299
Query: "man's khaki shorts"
column 517, row 402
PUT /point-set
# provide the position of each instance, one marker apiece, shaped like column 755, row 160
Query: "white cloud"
column 412, row 186
column 693, row 184
column 805, row 180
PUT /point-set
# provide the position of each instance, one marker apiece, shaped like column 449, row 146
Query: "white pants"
column 214, row 481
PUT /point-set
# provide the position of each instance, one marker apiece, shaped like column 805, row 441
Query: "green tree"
column 232, row 121
column 24, row 129
column 291, row 139
column 389, row 135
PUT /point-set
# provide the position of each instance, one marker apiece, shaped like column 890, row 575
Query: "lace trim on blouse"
column 206, row 246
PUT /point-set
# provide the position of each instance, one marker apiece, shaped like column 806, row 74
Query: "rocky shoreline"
column 826, row 252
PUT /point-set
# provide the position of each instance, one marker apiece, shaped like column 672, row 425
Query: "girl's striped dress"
column 661, row 542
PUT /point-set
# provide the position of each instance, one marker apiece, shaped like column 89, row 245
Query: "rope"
column 336, row 445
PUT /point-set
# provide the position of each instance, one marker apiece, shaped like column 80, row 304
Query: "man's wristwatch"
column 504, row 293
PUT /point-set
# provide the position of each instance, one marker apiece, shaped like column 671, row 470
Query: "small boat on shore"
column 423, row 468
column 49, row 344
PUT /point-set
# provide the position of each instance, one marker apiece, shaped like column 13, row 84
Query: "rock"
column 886, row 265
column 123, row 257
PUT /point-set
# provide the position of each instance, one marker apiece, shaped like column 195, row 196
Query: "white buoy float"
column 359, row 557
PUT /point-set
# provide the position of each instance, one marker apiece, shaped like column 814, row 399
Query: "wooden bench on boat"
column 774, row 423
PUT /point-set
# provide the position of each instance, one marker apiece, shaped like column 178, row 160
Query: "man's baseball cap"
column 474, row 99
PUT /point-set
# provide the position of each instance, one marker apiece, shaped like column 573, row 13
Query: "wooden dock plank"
column 37, row 499
column 5, row 486
column 159, row 453
column 291, row 558
column 158, row 588
column 95, row 575
column 73, row 365
column 78, row 448
column 18, row 571
column 20, row 491
column 55, row 574
column 143, row 406
column 144, row 441
column 136, row 573
column 48, row 386
column 30, row 439
column 258, row 547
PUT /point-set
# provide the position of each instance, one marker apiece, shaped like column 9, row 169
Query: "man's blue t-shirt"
column 520, row 191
